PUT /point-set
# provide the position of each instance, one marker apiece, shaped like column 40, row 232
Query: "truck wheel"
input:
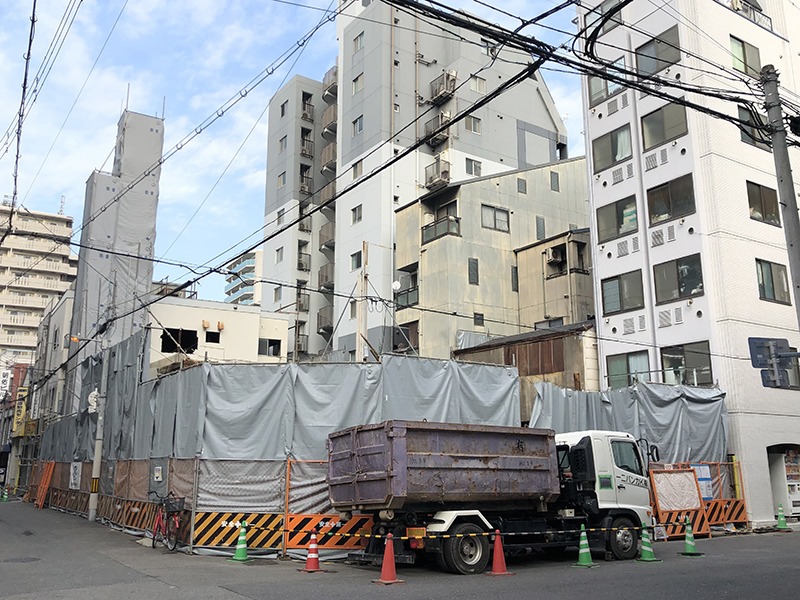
column 468, row 554
column 624, row 542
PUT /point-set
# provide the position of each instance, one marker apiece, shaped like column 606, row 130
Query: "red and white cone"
column 499, row 560
column 312, row 560
column 388, row 573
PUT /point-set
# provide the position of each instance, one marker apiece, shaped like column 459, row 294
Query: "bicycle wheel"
column 156, row 528
column 172, row 532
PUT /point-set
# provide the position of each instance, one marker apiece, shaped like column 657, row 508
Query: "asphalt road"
column 47, row 554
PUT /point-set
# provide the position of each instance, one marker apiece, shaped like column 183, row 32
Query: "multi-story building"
column 36, row 268
column 390, row 86
column 52, row 351
column 689, row 254
column 241, row 286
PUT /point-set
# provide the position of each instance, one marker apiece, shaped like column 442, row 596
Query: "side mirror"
column 652, row 454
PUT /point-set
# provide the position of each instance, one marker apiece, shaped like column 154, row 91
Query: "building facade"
column 240, row 285
column 689, row 254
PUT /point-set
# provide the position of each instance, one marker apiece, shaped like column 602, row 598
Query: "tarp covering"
column 688, row 424
column 241, row 486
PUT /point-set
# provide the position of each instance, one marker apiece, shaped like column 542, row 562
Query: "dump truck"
column 424, row 481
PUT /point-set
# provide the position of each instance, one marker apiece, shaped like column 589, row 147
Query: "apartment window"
column 178, row 340
column 358, row 125
column 540, row 232
column 746, row 58
column 472, row 124
column 397, row 64
column 284, row 108
column 494, row 218
column 659, row 53
column 355, row 214
column 689, row 364
column 522, row 185
column 472, row 269
column 514, row 279
column 665, row 124
column 763, row 204
column 212, row 337
column 477, row 84
column 477, row 319
column 353, row 309
column 773, row 284
column 594, row 16
column 554, row 183
column 473, row 167
column 277, row 294
column 281, row 213
column 622, row 293
column 601, row 88
column 617, row 219
column 612, row 148
column 752, row 128
column 282, row 180
column 358, row 83
column 358, row 42
column 268, row 347
column 358, row 169
column 672, row 200
column 355, row 261
column 625, row 369
column 351, row 355
column 279, row 255
column 282, row 143
column 680, row 278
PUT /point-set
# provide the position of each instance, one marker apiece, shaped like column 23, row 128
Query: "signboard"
column 158, row 474
column 30, row 428
column 5, row 381
column 19, row 413
column 2, row 475
column 75, row 470
column 704, row 481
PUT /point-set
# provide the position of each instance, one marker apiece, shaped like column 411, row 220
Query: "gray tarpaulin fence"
column 688, row 424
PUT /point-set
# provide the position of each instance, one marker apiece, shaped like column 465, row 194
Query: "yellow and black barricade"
column 331, row 531
column 221, row 529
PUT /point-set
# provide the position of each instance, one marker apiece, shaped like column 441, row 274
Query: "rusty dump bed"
column 410, row 464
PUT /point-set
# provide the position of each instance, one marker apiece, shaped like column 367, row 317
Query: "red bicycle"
column 168, row 519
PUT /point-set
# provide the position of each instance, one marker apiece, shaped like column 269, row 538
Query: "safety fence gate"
column 281, row 502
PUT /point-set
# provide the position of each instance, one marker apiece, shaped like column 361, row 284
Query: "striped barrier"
column 674, row 522
column 221, row 529
column 735, row 511
column 332, row 532
column 716, row 511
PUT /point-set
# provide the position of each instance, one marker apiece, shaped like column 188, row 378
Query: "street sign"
column 768, row 378
column 761, row 350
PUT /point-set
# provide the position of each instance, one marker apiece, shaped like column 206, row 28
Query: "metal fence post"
column 286, row 507
column 194, row 502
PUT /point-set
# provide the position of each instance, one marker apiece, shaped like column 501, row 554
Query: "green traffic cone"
column 690, row 549
column 240, row 555
column 647, row 550
column 782, row 526
column 584, row 555
column 5, row 496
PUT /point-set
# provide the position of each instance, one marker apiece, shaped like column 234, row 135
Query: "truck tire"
column 624, row 542
column 469, row 554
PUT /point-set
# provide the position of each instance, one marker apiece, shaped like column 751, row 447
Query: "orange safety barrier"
column 674, row 519
column 300, row 526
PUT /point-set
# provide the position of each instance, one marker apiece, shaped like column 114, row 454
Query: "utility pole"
column 98, row 442
column 783, row 168
column 361, row 312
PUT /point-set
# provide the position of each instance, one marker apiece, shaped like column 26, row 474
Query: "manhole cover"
column 20, row 559
column 27, row 532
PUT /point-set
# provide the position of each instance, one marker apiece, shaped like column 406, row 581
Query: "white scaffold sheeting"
column 688, row 424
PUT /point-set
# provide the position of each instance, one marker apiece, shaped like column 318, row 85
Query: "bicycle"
column 167, row 520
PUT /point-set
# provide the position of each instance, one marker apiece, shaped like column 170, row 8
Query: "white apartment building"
column 688, row 251
column 240, row 285
column 396, row 78
column 34, row 273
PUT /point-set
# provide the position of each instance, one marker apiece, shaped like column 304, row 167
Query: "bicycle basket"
column 174, row 504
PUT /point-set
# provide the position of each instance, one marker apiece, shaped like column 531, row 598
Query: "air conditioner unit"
column 304, row 188
column 553, row 255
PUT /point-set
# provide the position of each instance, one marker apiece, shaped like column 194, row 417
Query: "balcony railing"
column 328, row 192
column 443, row 118
column 307, row 147
column 306, row 184
column 303, row 302
column 407, row 298
column 330, row 120
column 750, row 13
column 303, row 261
column 308, row 111
column 245, row 292
column 443, row 87
column 327, row 236
column 325, row 319
column 245, row 279
column 329, row 157
column 449, row 225
column 37, row 283
column 325, row 275
column 437, row 174
column 250, row 262
column 330, row 82
column 305, row 225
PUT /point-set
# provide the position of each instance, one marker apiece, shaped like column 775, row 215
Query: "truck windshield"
column 626, row 457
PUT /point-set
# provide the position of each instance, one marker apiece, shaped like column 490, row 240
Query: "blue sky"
column 196, row 54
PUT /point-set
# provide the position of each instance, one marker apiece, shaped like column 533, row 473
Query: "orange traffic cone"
column 499, row 560
column 312, row 560
column 388, row 574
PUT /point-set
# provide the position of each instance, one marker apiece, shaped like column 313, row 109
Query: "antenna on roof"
column 164, row 108
column 128, row 97
column 63, row 200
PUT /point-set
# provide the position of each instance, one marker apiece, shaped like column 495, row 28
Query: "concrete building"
column 460, row 249
column 241, row 286
column 34, row 272
column 391, row 84
column 52, row 350
column 689, row 254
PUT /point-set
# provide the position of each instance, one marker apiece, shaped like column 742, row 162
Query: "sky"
column 184, row 59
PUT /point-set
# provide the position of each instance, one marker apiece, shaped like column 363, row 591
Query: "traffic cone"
column 690, row 549
column 241, row 547
column 5, row 497
column 388, row 574
column 647, row 550
column 584, row 555
column 312, row 560
column 499, row 560
column 782, row 526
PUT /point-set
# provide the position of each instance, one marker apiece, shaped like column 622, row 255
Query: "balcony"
column 34, row 283
column 325, row 276
column 406, row 298
column 250, row 262
column 443, row 88
column 303, row 302
column 437, row 174
column 34, row 264
column 330, row 84
column 245, row 293
column 306, row 148
column 330, row 121
column 448, row 225
column 24, row 341
column 306, row 185
column 327, row 235
column 326, row 195
column 246, row 279
column 19, row 243
column 303, row 261
column 329, row 159
column 305, row 225
column 435, row 123
column 750, row 13
column 27, row 301
column 32, row 224
column 325, row 319
column 302, row 342
column 20, row 320
column 308, row 112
